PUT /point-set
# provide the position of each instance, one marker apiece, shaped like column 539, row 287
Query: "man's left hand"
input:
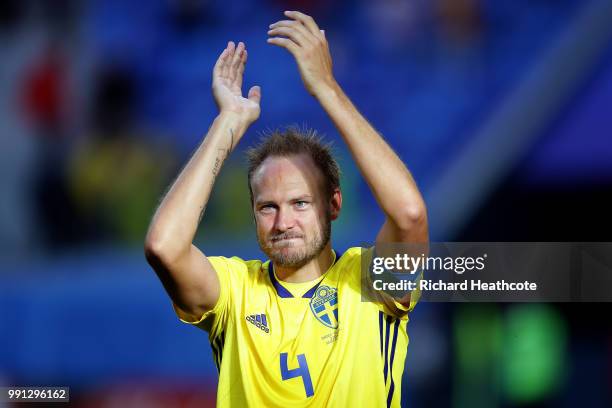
column 306, row 42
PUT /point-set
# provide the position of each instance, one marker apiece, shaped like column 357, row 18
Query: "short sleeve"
column 391, row 306
column 385, row 302
column 230, row 272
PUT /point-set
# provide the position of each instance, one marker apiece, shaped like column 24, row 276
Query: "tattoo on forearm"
column 222, row 155
column 231, row 146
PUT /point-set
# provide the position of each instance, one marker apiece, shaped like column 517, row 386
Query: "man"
column 291, row 331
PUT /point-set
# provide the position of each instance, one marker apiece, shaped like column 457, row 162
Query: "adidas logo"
column 260, row 321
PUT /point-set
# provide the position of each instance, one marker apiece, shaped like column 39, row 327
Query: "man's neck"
column 311, row 271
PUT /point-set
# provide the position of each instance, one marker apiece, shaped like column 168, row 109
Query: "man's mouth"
column 285, row 238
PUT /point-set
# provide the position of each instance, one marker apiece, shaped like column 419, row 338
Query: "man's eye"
column 266, row 208
column 301, row 204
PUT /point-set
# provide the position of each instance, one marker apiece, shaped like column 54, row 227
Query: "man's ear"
column 335, row 204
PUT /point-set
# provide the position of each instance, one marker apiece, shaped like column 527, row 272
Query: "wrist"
column 233, row 118
column 327, row 90
column 237, row 122
column 229, row 127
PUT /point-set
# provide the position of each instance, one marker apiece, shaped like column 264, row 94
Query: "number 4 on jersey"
column 301, row 371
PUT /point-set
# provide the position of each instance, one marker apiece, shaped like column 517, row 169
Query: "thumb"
column 255, row 94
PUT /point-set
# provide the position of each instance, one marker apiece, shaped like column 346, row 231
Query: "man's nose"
column 284, row 220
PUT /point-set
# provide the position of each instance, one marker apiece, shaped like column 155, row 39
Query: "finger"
column 292, row 24
column 241, row 67
column 304, row 19
column 286, row 43
column 290, row 32
column 255, row 94
column 228, row 57
column 218, row 69
column 236, row 60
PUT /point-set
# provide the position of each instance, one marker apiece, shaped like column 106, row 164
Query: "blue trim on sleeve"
column 392, row 387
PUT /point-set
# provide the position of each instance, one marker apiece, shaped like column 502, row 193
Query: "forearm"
column 388, row 178
column 176, row 220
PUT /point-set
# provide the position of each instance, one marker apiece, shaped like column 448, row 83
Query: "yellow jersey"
column 312, row 344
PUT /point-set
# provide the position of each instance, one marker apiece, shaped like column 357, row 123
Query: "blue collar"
column 284, row 293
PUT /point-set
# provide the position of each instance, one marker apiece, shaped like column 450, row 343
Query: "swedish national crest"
column 324, row 306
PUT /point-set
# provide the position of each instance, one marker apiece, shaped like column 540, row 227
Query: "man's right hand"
column 227, row 85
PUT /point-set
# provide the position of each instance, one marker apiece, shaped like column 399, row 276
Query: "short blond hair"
column 293, row 141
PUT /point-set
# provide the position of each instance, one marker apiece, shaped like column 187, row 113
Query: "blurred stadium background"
column 501, row 108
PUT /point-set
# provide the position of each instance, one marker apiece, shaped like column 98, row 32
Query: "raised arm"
column 184, row 270
column 390, row 181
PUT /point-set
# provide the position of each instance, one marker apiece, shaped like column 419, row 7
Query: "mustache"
column 285, row 235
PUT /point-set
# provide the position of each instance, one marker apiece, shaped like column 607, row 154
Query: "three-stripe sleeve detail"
column 217, row 348
column 388, row 329
column 380, row 328
column 392, row 387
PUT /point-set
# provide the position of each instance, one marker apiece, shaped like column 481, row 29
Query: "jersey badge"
column 324, row 306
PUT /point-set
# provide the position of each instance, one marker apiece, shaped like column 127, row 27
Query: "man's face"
column 292, row 215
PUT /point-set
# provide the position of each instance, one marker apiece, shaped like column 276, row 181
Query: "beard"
column 275, row 246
